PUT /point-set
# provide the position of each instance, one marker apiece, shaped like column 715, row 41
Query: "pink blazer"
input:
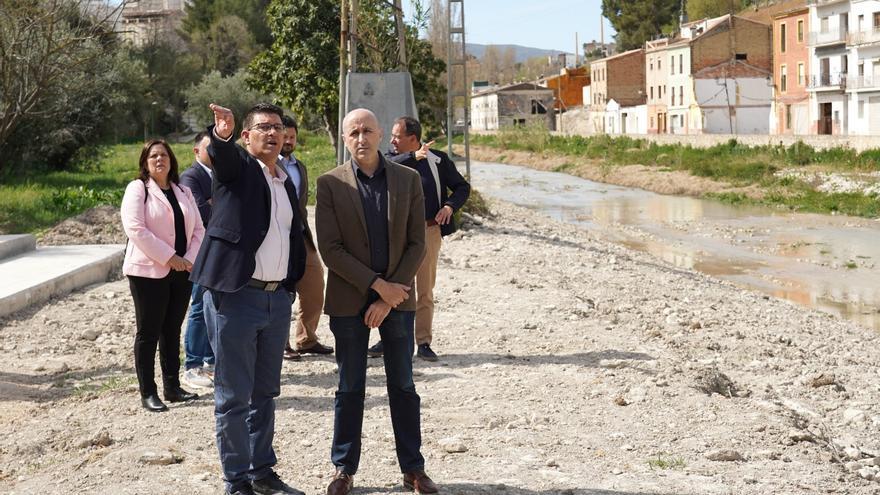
column 150, row 228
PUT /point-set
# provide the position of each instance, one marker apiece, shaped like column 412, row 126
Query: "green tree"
column 637, row 21
column 58, row 80
column 302, row 66
column 702, row 9
column 232, row 92
column 201, row 15
column 225, row 46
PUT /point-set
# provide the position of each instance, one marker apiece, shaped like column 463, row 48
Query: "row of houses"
column 814, row 69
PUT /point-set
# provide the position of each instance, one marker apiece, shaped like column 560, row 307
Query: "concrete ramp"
column 38, row 274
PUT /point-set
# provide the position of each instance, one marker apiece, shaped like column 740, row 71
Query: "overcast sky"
column 549, row 24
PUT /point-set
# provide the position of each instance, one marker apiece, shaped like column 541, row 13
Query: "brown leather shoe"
column 316, row 348
column 341, row 485
column 419, row 482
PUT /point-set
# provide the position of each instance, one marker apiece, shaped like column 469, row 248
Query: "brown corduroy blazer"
column 343, row 243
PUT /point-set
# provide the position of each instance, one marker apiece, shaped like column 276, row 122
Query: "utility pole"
column 402, row 64
column 456, row 81
column 343, row 56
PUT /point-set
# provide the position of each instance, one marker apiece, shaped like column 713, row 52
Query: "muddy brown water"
column 827, row 262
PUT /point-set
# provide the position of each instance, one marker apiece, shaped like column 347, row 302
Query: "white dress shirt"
column 273, row 254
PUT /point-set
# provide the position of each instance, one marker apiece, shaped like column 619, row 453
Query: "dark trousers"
column 352, row 338
column 248, row 330
column 159, row 307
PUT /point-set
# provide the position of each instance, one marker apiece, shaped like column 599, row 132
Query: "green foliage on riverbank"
column 35, row 201
column 731, row 162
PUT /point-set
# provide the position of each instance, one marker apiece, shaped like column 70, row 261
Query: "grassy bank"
column 733, row 163
column 34, row 201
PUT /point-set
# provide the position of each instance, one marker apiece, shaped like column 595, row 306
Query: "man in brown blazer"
column 371, row 234
column 310, row 287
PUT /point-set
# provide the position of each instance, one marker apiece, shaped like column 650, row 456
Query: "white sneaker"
column 196, row 377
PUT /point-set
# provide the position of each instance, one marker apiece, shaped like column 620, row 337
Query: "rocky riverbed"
column 568, row 366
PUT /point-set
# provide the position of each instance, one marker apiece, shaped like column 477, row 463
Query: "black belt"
column 266, row 286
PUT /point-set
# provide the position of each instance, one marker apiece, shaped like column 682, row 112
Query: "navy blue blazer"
column 447, row 178
column 199, row 182
column 240, row 221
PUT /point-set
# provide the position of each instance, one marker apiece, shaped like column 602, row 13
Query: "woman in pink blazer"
column 162, row 222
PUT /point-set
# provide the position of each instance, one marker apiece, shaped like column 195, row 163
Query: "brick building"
column 568, row 87
column 620, row 77
column 791, row 72
column 512, row 105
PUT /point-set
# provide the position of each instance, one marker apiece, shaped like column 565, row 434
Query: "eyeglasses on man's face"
column 265, row 127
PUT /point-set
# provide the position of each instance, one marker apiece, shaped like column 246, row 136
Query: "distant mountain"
column 523, row 53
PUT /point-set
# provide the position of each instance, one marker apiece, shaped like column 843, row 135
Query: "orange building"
column 568, row 87
column 791, row 56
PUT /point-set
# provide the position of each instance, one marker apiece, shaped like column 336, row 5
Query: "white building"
column 734, row 98
column 829, row 62
column 513, row 105
column 863, row 71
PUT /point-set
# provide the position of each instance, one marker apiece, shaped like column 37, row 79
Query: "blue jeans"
column 352, row 338
column 248, row 330
column 195, row 341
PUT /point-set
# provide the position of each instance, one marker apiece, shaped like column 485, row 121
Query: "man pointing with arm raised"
column 250, row 261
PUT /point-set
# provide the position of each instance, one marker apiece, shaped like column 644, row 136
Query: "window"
column 652, row 93
column 652, row 122
column 823, row 24
column 651, row 64
column 782, row 38
column 672, row 65
column 680, row 66
column 861, row 109
column 783, row 78
column 658, row 63
column 672, row 99
column 787, row 117
column 681, row 95
column 876, row 21
column 800, row 31
column 801, row 74
column 861, row 69
column 742, row 56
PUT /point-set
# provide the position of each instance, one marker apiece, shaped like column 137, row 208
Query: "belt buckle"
column 271, row 286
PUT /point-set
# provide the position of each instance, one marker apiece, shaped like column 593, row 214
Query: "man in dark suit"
column 439, row 178
column 310, row 288
column 371, row 233
column 250, row 261
column 199, row 362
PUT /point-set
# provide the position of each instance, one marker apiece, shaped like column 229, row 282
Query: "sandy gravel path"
column 568, row 366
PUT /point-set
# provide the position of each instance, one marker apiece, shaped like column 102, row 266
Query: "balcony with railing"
column 867, row 37
column 863, row 82
column 827, row 82
column 830, row 37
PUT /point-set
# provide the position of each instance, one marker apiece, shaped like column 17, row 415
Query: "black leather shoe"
column 426, row 353
column 177, row 394
column 153, row 404
column 244, row 490
column 316, row 348
column 272, row 485
column 376, row 351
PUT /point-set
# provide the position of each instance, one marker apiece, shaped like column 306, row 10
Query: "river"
column 827, row 262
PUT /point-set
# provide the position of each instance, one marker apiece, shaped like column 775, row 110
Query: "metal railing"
column 827, row 81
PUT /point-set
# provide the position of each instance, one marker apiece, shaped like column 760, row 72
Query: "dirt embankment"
column 568, row 366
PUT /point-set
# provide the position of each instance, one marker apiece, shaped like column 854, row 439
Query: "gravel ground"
column 568, row 366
